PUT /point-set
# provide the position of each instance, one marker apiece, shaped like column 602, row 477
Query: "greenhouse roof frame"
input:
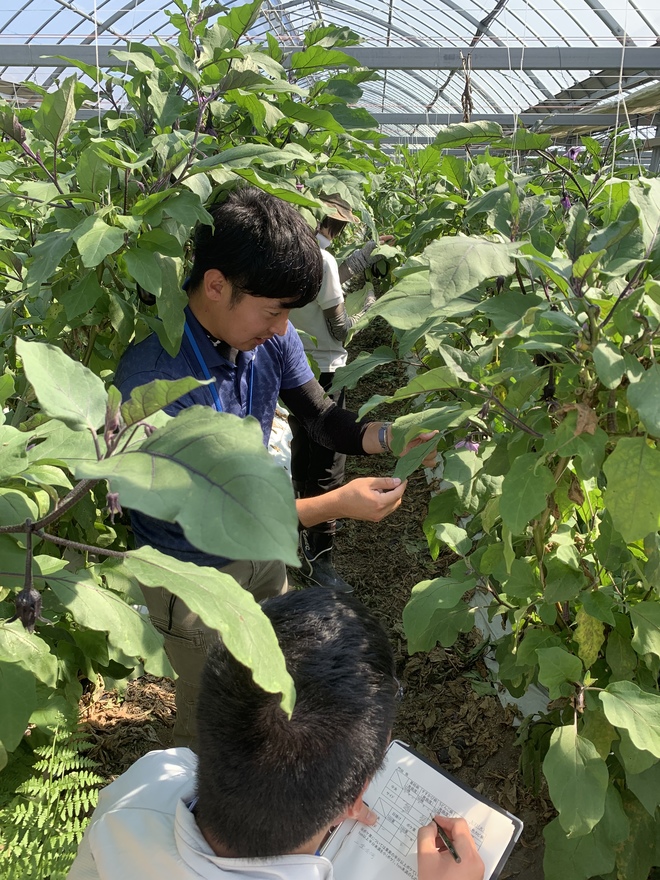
column 555, row 64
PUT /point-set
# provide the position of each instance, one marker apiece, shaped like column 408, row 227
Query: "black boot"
column 317, row 567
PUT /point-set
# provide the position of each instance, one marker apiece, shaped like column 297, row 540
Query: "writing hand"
column 435, row 864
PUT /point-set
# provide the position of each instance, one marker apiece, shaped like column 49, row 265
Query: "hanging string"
column 98, row 66
column 621, row 101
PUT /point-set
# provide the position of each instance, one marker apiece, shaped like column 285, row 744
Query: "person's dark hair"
column 267, row 784
column 262, row 245
column 335, row 227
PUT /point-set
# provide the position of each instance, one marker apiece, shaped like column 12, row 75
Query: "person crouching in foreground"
column 264, row 790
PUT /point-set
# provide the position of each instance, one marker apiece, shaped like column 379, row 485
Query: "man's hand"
column 430, row 459
column 364, row 815
column 370, row 498
column 435, row 862
column 367, row 498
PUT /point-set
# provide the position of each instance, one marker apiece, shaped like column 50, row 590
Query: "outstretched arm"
column 367, row 498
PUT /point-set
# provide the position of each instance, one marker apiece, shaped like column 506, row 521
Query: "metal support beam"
column 565, row 120
column 398, row 58
column 514, row 58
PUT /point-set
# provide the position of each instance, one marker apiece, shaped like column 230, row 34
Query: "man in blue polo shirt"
column 259, row 261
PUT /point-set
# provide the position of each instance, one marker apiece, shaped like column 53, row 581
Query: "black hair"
column 267, row 784
column 334, row 226
column 262, row 245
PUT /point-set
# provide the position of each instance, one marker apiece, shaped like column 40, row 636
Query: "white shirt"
column 328, row 352
column 142, row 829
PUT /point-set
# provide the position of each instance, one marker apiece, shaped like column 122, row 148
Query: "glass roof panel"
column 394, row 23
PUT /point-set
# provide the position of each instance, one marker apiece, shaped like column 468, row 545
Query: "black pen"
column 442, row 834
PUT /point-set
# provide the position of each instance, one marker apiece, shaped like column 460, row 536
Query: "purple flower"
column 573, row 152
column 564, row 201
column 300, row 187
column 470, row 445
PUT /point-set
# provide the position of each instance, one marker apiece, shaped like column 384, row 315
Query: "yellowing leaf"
column 590, row 635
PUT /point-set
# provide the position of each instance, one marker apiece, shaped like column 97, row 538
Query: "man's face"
column 248, row 322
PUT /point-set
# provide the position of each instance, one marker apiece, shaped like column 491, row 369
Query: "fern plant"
column 42, row 825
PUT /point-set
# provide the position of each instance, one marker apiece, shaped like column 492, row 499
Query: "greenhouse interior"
column 330, row 440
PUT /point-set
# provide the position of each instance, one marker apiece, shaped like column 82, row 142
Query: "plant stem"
column 65, row 504
column 82, row 548
column 28, row 526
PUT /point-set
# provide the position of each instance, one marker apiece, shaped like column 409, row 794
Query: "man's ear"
column 216, row 286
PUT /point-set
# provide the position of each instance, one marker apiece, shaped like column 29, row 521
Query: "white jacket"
column 142, row 829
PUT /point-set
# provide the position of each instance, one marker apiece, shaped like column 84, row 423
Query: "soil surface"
column 448, row 712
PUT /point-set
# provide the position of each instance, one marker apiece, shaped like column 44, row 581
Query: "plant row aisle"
column 524, row 308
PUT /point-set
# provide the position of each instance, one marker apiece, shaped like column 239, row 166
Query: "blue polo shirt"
column 280, row 363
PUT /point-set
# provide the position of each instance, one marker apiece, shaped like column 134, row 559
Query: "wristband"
column 382, row 436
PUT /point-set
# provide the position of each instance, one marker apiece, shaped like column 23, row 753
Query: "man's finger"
column 388, row 484
column 426, row 840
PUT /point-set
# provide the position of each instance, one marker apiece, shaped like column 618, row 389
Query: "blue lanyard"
column 217, row 403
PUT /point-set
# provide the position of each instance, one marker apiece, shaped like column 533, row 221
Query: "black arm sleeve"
column 325, row 422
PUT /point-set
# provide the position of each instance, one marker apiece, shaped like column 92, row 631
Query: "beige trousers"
column 188, row 638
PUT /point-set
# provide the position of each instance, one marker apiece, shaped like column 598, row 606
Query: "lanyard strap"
column 217, row 403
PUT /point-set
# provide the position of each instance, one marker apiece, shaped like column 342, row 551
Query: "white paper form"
column 405, row 794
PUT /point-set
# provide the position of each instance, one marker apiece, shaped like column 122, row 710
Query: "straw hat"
column 339, row 209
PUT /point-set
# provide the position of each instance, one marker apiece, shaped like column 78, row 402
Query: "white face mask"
column 323, row 241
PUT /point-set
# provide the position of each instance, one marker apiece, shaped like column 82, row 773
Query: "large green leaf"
column 524, row 492
column 82, row 297
column 409, row 462
column 645, row 193
column 225, row 606
column 460, row 263
column 65, row 388
column 18, row 698
column 437, row 379
column 646, row 787
column 407, row 305
column 29, row 651
column 54, row 441
column 435, row 613
column 576, row 857
column 95, row 240
column 644, row 396
column 452, row 136
column 633, row 488
column 15, row 506
column 635, row 710
column 609, row 363
column 577, row 779
column 148, row 399
column 317, row 58
column 436, row 418
column 98, row 608
column 559, row 671
column 261, row 154
column 637, row 853
column 46, row 256
column 13, row 455
column 645, row 618
column 364, row 363
column 56, row 112
column 210, row 473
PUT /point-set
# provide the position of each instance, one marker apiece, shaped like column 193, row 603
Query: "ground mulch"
column 449, row 710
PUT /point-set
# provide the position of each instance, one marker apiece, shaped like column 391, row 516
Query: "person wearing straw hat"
column 315, row 469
